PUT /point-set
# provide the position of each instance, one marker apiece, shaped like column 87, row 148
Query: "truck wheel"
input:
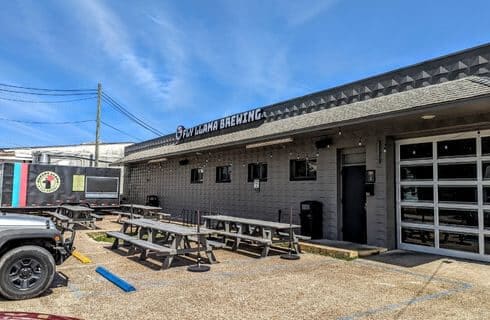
column 26, row 272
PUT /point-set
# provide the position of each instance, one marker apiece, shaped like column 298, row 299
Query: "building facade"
column 399, row 160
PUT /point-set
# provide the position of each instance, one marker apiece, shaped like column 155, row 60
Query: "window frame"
column 292, row 167
column 200, row 171
column 219, row 174
column 261, row 165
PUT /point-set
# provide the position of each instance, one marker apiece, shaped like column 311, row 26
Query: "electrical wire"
column 43, row 102
column 44, row 89
column 48, row 94
column 131, row 116
column 46, row 122
column 120, row 131
column 118, row 107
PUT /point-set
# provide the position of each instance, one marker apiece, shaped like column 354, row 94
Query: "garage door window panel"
column 418, row 236
column 459, row 241
column 458, row 194
column 456, row 148
column 419, row 173
column 458, row 218
column 417, row 193
column 457, row 171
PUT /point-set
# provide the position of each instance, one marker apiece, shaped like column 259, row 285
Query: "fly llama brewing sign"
column 220, row 124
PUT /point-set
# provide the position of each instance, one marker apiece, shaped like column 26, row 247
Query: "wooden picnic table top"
column 252, row 222
column 168, row 227
column 141, row 206
column 76, row 208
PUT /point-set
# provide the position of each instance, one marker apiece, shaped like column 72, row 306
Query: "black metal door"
column 353, row 204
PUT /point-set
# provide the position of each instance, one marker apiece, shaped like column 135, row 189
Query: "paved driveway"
column 396, row 285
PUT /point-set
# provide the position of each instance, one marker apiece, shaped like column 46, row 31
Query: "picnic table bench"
column 144, row 245
column 176, row 239
column 121, row 214
column 59, row 219
column 69, row 215
column 253, row 230
column 237, row 236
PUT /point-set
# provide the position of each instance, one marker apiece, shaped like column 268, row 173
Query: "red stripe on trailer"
column 23, row 184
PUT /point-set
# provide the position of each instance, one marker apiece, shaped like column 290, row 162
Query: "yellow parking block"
column 83, row 259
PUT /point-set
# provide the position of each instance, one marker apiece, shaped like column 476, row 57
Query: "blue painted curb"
column 115, row 279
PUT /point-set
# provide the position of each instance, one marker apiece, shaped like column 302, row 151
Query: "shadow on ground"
column 410, row 259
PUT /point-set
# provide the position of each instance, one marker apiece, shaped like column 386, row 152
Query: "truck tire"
column 26, row 272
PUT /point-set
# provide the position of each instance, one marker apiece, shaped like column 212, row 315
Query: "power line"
column 48, row 94
column 38, row 101
column 45, row 122
column 120, row 131
column 118, row 107
column 131, row 116
column 44, row 89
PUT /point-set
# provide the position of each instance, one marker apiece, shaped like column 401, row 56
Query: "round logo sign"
column 179, row 134
column 48, row 181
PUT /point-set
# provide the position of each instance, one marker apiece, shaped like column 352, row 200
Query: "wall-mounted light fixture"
column 157, row 160
column 268, row 143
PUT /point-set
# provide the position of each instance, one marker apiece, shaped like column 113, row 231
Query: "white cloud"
column 113, row 38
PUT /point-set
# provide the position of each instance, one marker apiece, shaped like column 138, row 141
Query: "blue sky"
column 187, row 62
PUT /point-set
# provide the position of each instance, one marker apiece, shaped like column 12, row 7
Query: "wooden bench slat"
column 153, row 247
column 299, row 236
column 120, row 235
column 242, row 236
column 215, row 244
column 162, row 214
column 140, row 243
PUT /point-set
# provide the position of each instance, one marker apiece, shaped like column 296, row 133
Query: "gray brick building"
column 422, row 132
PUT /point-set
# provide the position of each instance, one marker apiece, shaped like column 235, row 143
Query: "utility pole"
column 97, row 125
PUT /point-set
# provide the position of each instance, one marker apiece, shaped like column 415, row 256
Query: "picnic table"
column 145, row 211
column 69, row 215
column 254, row 230
column 176, row 239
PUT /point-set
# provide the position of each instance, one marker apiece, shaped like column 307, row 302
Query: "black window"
column 416, row 172
column 486, row 219
column 486, row 195
column 459, row 241
column 458, row 194
column 197, row 175
column 487, row 244
column 302, row 169
column 257, row 171
column 485, row 145
column 418, row 236
column 417, row 194
column 486, row 170
column 223, row 174
column 458, row 217
column 418, row 215
column 456, row 148
column 461, row 171
column 416, row 151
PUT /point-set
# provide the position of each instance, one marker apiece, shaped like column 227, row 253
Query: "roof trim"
column 384, row 107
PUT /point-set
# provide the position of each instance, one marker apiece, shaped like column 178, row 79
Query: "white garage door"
column 443, row 194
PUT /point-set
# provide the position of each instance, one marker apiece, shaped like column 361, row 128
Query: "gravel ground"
column 396, row 285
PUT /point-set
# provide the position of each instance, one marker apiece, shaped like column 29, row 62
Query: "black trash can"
column 152, row 200
column 311, row 214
